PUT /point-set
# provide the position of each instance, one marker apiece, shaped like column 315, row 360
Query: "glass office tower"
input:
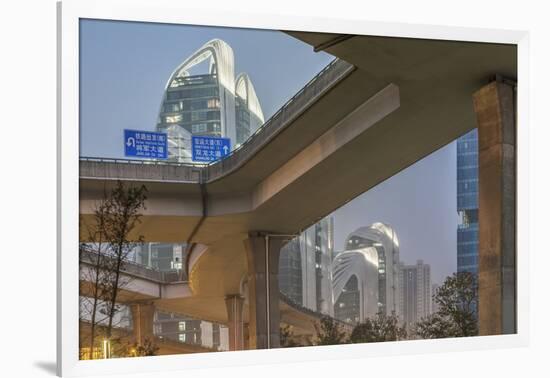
column 467, row 202
column 290, row 271
column 212, row 103
column 305, row 267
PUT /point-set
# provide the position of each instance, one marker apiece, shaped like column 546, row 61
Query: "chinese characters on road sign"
column 145, row 144
column 207, row 149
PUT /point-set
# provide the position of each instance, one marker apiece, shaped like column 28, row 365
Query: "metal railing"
column 319, row 85
column 134, row 269
column 141, row 162
column 319, row 315
column 92, row 167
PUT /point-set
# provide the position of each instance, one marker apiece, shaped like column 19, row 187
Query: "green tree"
column 108, row 246
column 457, row 306
column 287, row 338
column 329, row 332
column 123, row 209
column 96, row 276
column 380, row 328
column 148, row 348
column 434, row 326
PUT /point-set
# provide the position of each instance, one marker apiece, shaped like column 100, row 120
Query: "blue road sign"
column 145, row 144
column 207, row 149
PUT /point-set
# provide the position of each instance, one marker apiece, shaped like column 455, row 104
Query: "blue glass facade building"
column 467, row 202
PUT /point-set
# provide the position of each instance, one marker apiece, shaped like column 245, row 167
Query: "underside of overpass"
column 144, row 285
column 389, row 103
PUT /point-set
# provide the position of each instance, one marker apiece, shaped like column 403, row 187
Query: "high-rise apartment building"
column 415, row 292
column 467, row 185
column 211, row 102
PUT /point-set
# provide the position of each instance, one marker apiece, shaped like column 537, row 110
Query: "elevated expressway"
column 386, row 104
column 144, row 285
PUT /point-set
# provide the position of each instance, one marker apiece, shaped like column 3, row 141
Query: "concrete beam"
column 357, row 122
column 495, row 108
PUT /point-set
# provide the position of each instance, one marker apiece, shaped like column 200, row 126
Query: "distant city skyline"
column 124, row 68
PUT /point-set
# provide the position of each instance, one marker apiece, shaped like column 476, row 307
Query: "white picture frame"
column 176, row 12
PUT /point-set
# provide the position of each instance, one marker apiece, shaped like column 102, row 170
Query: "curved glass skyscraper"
column 355, row 284
column 212, row 103
column 367, row 271
column 384, row 239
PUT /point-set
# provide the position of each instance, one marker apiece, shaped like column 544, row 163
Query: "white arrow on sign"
column 225, row 149
column 131, row 142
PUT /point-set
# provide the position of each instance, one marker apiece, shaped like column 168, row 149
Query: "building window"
column 173, row 119
column 213, row 103
column 199, row 128
column 171, row 107
column 157, row 328
column 182, row 337
column 198, row 116
column 181, row 326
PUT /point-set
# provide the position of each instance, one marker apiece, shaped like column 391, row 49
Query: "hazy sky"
column 124, row 69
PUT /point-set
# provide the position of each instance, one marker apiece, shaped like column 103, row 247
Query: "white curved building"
column 355, row 284
column 384, row 239
column 212, row 103
column 248, row 111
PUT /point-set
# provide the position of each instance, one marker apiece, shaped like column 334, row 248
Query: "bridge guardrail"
column 297, row 306
column 132, row 268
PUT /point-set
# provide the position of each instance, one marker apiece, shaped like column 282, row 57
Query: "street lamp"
column 106, row 348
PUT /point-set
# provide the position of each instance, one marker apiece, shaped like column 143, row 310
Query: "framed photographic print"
column 270, row 188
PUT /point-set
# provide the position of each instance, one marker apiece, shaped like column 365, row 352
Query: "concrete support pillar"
column 495, row 108
column 262, row 252
column 246, row 337
column 234, row 304
column 143, row 315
